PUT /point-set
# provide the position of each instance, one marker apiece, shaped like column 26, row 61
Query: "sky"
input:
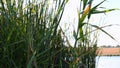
column 70, row 22
column 111, row 18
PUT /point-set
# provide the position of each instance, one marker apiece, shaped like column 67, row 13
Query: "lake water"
column 108, row 62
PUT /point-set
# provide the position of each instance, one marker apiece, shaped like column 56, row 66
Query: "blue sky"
column 69, row 20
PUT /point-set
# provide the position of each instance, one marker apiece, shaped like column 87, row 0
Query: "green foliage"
column 29, row 35
column 85, row 45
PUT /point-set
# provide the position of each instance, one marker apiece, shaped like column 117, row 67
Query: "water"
column 108, row 62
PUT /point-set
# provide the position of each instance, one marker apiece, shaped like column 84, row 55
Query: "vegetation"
column 30, row 35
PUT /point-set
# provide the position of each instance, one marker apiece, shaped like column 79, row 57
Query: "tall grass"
column 29, row 35
column 84, row 51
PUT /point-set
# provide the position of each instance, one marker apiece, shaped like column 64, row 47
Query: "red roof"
column 108, row 51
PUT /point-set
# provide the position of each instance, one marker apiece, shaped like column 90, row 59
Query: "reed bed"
column 30, row 35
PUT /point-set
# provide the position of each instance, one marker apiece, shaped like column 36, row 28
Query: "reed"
column 30, row 35
column 84, row 51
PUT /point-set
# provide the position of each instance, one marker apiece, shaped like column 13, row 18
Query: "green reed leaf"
column 103, row 31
